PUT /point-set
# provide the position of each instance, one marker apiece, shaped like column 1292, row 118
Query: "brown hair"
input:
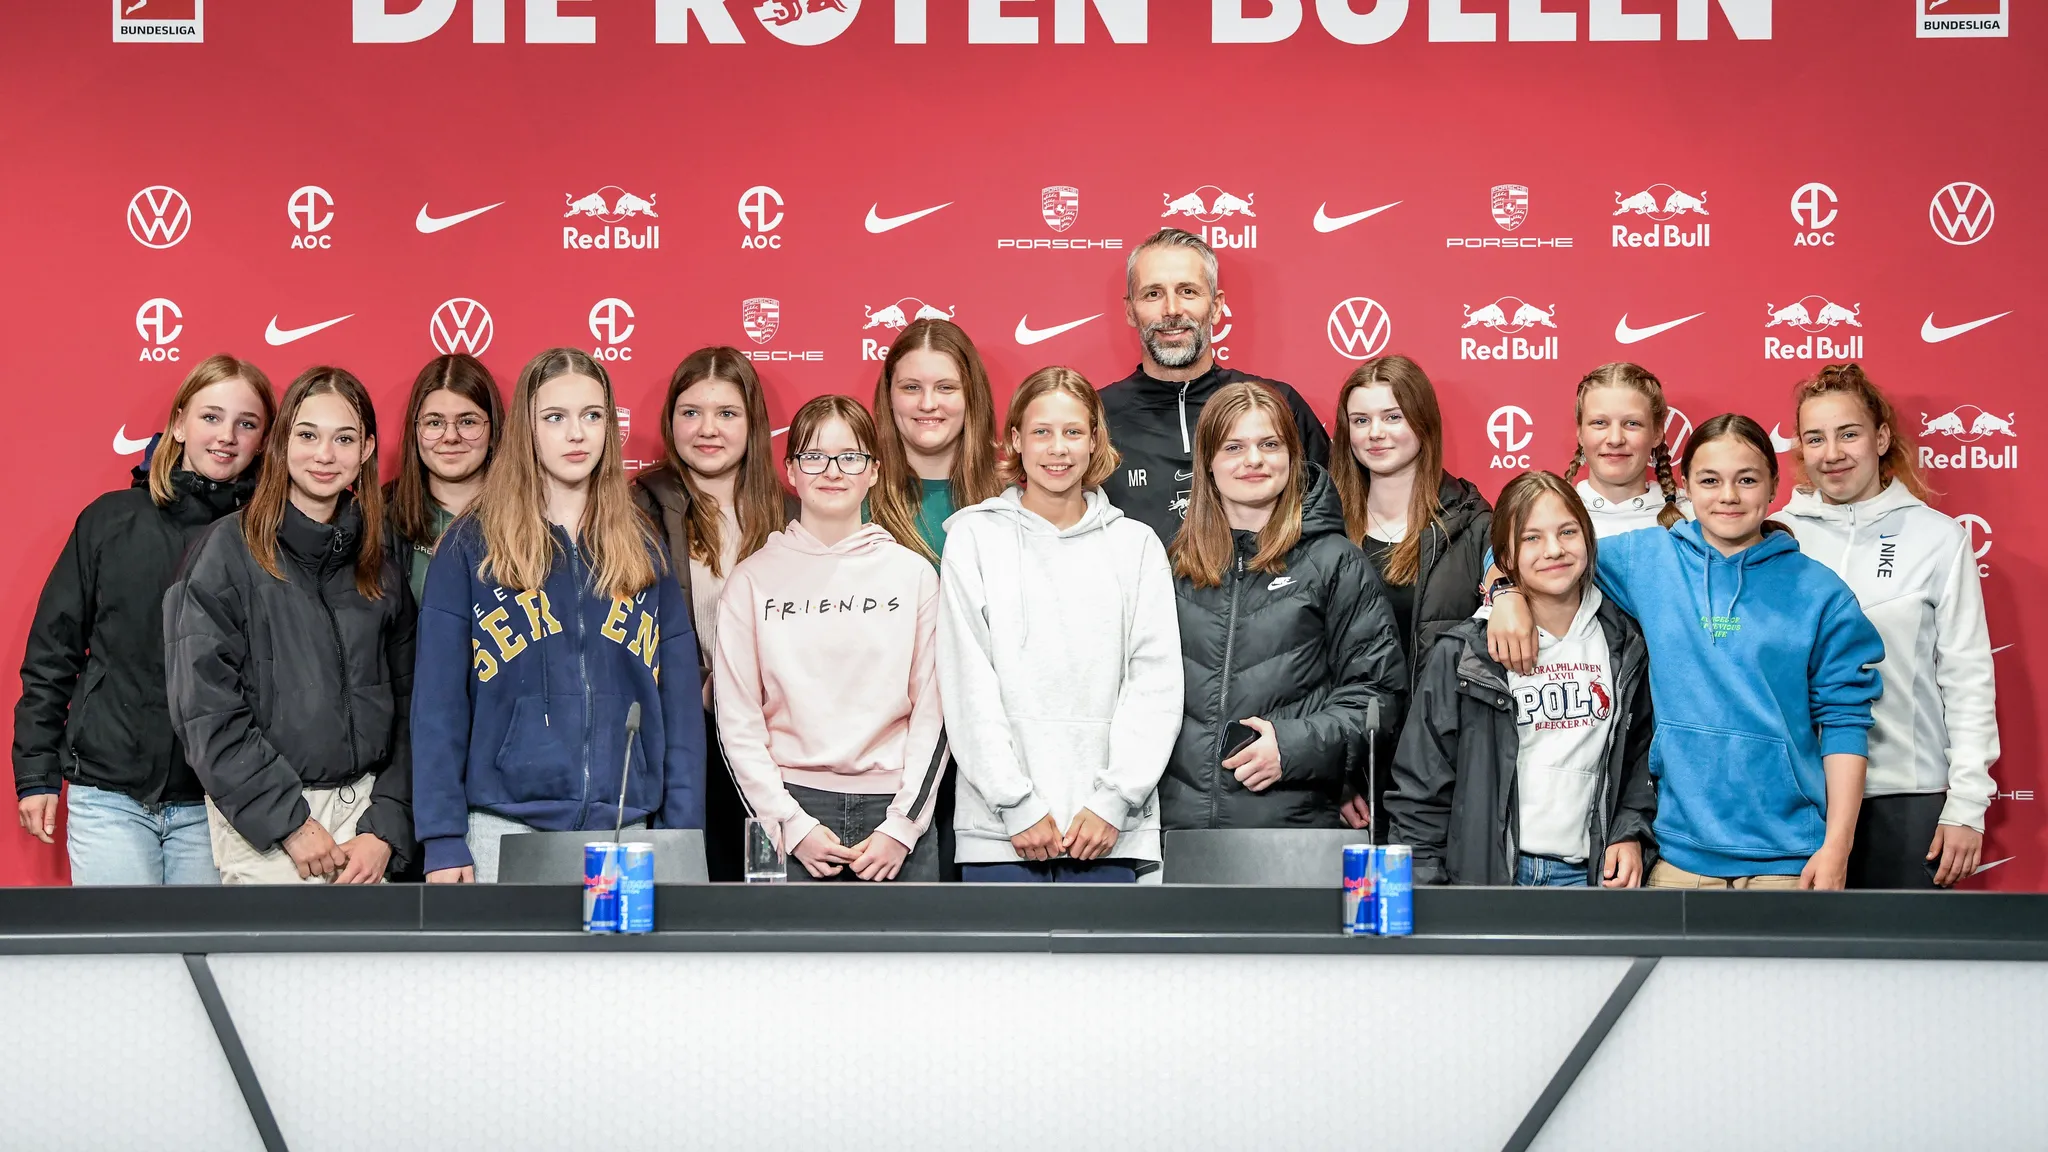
column 1102, row 456
column 1511, row 516
column 205, row 374
column 1897, row 462
column 518, row 548
column 894, row 499
column 1635, row 378
column 756, row 492
column 467, row 377
column 1202, row 549
column 1417, row 399
column 264, row 515
column 820, row 410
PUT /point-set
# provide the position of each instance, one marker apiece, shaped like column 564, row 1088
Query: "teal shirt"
column 933, row 506
column 422, row 555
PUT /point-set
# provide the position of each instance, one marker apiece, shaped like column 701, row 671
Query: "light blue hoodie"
column 1761, row 663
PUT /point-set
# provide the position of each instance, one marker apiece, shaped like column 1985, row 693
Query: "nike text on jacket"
column 1060, row 672
column 1913, row 571
column 1308, row 649
column 1761, row 663
column 826, row 671
column 522, row 698
column 1152, row 424
column 277, row 686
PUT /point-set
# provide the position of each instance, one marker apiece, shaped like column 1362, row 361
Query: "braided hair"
column 1638, row 379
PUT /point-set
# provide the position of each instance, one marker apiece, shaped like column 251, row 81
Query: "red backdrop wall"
column 283, row 181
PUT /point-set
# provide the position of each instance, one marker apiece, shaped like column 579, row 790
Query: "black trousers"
column 1892, row 835
column 725, row 814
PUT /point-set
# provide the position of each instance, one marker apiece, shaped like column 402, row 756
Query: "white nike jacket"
column 1914, row 573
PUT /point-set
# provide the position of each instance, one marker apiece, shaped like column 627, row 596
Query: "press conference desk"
column 1103, row 1018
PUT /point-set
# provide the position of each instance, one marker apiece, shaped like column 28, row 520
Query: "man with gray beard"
column 1172, row 300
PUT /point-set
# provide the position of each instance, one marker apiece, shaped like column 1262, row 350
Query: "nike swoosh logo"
column 1934, row 333
column 279, row 337
column 123, row 446
column 1627, row 335
column 881, row 224
column 1993, row 864
column 432, row 224
column 1178, row 476
column 1780, row 443
column 1328, row 223
column 1026, row 334
column 2000, row 648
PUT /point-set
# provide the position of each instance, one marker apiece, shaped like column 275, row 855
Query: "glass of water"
column 765, row 862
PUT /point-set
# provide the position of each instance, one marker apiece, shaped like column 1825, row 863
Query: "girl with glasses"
column 826, row 672
column 453, row 418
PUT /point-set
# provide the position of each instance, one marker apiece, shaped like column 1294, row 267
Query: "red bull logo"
column 1508, row 316
column 609, row 205
column 1210, row 204
column 896, row 317
column 1661, row 202
column 1967, row 424
column 806, row 22
column 1815, row 315
column 1060, row 205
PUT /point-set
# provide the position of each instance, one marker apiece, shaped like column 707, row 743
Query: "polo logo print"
column 1566, row 694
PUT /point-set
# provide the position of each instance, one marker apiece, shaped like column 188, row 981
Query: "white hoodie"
column 1059, row 673
column 1612, row 519
column 1915, row 575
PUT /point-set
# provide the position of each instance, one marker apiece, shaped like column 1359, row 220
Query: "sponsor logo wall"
column 1510, row 193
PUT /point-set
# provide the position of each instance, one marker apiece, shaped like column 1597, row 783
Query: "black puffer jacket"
column 93, row 705
column 1307, row 650
column 281, row 685
column 1453, row 561
column 1454, row 796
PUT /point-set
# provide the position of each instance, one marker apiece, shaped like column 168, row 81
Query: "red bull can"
column 636, row 888
column 1394, row 890
column 1361, row 913
column 601, row 861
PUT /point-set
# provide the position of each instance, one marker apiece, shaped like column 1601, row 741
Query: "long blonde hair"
column 1417, row 399
column 893, row 501
column 1201, row 550
column 1637, row 379
column 205, row 374
column 519, row 550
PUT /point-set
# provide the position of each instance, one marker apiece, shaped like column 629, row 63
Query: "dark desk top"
column 1025, row 918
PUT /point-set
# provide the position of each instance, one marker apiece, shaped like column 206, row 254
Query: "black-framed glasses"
column 850, row 463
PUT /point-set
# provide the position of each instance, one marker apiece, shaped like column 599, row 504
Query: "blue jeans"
column 115, row 839
column 1061, row 871
column 1543, row 872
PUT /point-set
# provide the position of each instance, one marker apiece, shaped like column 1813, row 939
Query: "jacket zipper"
column 1223, row 691
column 348, row 708
column 583, row 677
column 1184, row 446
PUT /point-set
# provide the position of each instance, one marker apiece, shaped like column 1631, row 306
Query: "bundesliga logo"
column 1814, row 315
column 1209, row 204
column 1661, row 202
column 610, row 209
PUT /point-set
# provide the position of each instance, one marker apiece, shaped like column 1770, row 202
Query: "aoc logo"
column 1508, row 316
column 896, row 317
column 610, row 205
column 460, row 325
column 1219, row 331
column 1661, row 202
column 611, row 325
column 1968, row 424
column 1360, row 328
column 1059, row 205
column 1949, row 18
column 1980, row 539
column 761, row 212
column 159, row 21
column 761, row 320
column 1813, row 209
column 1962, row 213
column 158, row 322
column 1510, row 206
column 1510, row 429
column 807, row 22
column 1209, row 204
column 1813, row 315
column 159, row 216
column 310, row 210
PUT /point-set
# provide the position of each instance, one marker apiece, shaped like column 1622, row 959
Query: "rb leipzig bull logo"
column 1967, row 423
column 1813, row 314
column 1510, row 205
column 1060, row 204
column 611, row 208
column 761, row 316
